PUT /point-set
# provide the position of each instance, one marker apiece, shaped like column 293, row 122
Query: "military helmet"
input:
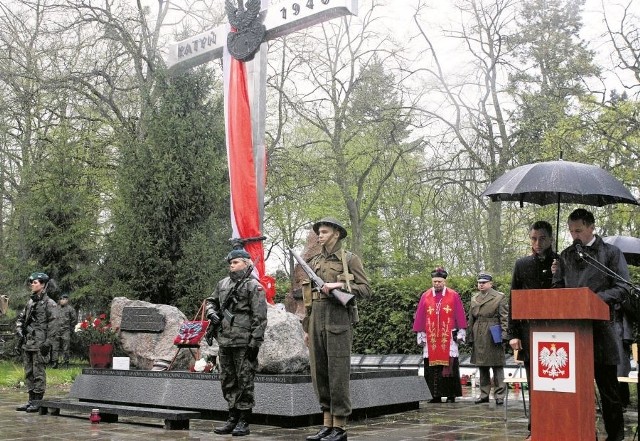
column 238, row 254
column 332, row 222
column 42, row 277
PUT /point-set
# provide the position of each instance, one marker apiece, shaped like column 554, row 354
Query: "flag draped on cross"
column 247, row 169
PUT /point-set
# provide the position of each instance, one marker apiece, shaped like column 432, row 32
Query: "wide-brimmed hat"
column 332, row 222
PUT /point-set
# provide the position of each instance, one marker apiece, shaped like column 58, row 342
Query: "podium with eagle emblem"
column 561, row 355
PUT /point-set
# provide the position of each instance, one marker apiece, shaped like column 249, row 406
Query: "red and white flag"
column 247, row 166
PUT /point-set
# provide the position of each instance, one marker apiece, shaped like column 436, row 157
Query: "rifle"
column 25, row 327
column 343, row 297
column 225, row 307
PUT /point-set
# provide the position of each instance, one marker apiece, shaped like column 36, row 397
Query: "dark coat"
column 529, row 272
column 487, row 310
column 574, row 272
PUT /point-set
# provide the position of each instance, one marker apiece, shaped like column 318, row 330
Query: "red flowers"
column 96, row 330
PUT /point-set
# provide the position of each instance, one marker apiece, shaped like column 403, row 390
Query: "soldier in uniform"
column 488, row 308
column 237, row 310
column 328, row 327
column 37, row 328
column 67, row 318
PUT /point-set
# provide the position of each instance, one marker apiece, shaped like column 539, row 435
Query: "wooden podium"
column 562, row 398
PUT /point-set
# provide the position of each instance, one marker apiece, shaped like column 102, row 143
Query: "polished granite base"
column 285, row 400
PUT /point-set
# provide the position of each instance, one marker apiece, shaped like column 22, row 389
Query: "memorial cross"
column 245, row 85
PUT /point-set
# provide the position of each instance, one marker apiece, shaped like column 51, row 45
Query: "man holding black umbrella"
column 592, row 263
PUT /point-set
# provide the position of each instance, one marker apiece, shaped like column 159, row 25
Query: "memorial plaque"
column 141, row 319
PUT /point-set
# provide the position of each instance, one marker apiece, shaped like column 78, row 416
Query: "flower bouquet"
column 96, row 330
column 97, row 334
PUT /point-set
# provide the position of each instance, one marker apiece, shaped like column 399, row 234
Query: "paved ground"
column 443, row 422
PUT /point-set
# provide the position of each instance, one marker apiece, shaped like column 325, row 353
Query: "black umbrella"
column 553, row 182
column 630, row 247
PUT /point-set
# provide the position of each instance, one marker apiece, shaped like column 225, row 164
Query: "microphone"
column 578, row 244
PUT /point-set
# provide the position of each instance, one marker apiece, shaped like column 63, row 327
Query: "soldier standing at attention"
column 37, row 329
column 68, row 317
column 488, row 308
column 238, row 310
column 328, row 327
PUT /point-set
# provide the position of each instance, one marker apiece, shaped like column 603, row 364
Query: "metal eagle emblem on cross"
column 247, row 30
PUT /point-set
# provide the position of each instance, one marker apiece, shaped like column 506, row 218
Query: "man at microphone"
column 584, row 264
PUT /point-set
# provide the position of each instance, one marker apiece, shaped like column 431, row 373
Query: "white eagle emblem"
column 553, row 361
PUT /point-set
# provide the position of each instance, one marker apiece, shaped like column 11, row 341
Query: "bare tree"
column 345, row 87
column 625, row 38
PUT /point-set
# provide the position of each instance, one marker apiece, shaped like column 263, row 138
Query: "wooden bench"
column 174, row 419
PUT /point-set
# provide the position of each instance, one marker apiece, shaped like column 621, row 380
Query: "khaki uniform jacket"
column 487, row 310
column 329, row 267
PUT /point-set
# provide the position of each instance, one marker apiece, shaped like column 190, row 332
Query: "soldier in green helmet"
column 237, row 310
column 37, row 329
column 328, row 326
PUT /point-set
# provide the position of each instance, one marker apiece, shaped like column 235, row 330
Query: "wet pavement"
column 462, row 420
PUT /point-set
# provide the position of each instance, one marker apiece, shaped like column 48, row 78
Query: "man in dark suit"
column 577, row 269
column 531, row 272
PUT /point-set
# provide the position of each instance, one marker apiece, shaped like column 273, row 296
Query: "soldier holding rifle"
column 331, row 313
column 37, row 328
column 237, row 312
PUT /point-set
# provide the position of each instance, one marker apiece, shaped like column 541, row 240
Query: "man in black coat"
column 576, row 269
column 531, row 272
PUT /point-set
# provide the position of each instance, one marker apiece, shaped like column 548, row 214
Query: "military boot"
column 24, row 407
column 33, row 407
column 242, row 428
column 231, row 423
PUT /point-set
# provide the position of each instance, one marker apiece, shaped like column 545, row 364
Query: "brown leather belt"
column 315, row 295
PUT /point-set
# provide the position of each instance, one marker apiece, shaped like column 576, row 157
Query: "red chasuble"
column 440, row 322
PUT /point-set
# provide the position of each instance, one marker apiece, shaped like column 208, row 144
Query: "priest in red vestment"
column 440, row 323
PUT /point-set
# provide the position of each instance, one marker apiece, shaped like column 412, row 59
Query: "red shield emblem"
column 553, row 360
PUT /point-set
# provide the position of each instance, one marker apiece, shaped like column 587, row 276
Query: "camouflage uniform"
column 67, row 319
column 329, row 326
column 237, row 371
column 38, row 323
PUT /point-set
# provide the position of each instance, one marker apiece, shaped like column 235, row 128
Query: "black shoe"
column 324, row 431
column 481, row 400
column 25, row 406
column 33, row 407
column 499, row 401
column 241, row 429
column 231, row 424
column 451, row 399
column 435, row 400
column 337, row 434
